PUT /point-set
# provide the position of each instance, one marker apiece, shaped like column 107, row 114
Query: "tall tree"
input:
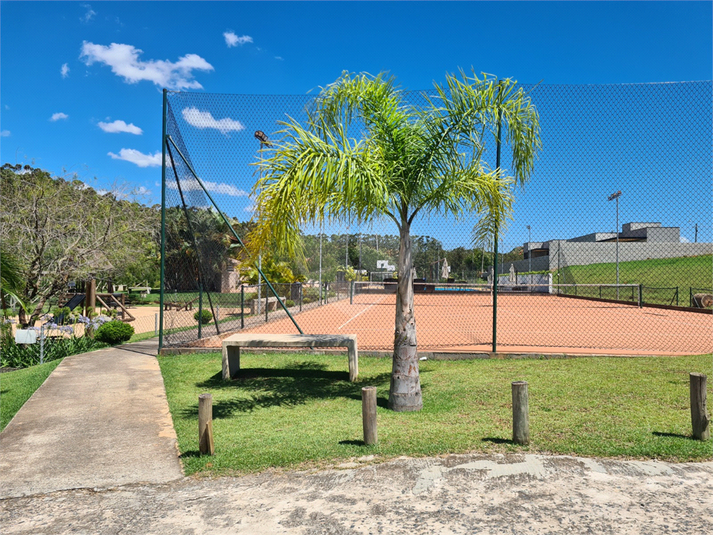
column 59, row 230
column 411, row 160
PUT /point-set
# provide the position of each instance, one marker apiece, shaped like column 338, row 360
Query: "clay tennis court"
column 525, row 324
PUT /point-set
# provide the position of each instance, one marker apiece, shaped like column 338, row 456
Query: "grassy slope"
column 695, row 271
column 17, row 387
column 294, row 409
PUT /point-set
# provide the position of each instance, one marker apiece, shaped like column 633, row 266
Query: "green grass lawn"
column 300, row 409
column 682, row 273
column 17, row 387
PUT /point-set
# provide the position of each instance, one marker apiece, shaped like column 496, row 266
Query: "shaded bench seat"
column 232, row 345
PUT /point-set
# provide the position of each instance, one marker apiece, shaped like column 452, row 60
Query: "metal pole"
column 360, row 255
column 42, row 343
column 259, row 286
column 320, row 265
column 612, row 197
column 346, row 251
column 200, row 309
column 495, row 267
column 163, row 219
column 242, row 306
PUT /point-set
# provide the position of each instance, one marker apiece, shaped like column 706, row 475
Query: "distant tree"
column 411, row 160
column 61, row 230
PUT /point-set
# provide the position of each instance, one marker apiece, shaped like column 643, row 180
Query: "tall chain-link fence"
column 609, row 250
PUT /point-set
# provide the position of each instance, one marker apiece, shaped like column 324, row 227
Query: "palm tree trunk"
column 405, row 391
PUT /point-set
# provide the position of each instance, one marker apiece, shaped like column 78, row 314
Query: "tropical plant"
column 411, row 160
column 11, row 283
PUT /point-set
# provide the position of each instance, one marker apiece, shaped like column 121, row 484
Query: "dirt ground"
column 455, row 494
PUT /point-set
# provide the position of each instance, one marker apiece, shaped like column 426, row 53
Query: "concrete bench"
column 271, row 304
column 232, row 345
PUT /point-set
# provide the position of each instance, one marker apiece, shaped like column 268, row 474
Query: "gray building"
column 637, row 241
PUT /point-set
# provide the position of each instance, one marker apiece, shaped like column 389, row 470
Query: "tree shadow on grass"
column 497, row 440
column 671, row 435
column 288, row 386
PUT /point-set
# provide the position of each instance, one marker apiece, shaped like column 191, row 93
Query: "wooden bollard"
column 368, row 414
column 205, row 424
column 699, row 412
column 520, row 413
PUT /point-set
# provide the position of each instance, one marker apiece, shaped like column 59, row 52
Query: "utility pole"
column 529, row 253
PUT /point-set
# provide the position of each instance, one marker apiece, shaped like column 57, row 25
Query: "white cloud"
column 141, row 191
column 120, row 126
column 64, row 70
column 124, row 61
column 139, row 158
column 683, row 239
column 231, row 39
column 280, row 58
column 59, row 116
column 204, row 119
column 89, row 15
column 250, row 208
column 5, row 133
column 215, row 187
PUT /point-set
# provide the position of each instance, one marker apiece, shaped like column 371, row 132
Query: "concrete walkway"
column 100, row 420
column 455, row 494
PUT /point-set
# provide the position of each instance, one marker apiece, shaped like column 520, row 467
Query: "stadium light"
column 612, row 197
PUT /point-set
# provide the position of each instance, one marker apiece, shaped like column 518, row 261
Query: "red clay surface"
column 526, row 324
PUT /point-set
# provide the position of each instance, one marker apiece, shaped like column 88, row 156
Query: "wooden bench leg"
column 353, row 361
column 231, row 362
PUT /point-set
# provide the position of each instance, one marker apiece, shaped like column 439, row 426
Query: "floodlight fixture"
column 262, row 137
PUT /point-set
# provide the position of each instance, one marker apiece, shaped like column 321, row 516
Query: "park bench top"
column 289, row 340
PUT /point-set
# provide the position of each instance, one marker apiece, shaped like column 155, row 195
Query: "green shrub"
column 204, row 315
column 310, row 293
column 14, row 355
column 114, row 332
column 308, row 300
column 289, row 303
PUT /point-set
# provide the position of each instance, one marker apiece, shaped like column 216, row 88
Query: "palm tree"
column 410, row 160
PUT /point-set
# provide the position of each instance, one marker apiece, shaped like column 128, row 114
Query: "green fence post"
column 242, row 306
column 267, row 297
column 200, row 310
column 163, row 221
column 641, row 295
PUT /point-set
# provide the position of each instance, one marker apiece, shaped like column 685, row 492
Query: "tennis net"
column 374, row 292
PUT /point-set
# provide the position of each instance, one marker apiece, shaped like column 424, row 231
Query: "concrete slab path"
column 101, row 419
column 456, row 494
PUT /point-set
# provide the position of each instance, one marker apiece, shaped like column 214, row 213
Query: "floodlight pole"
column 612, row 197
column 495, row 240
column 320, row 264
column 529, row 253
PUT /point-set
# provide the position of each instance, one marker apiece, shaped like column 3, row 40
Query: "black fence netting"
column 608, row 249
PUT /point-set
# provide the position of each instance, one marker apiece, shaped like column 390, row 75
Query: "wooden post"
column 205, row 424
column 520, row 413
column 90, row 299
column 699, row 412
column 368, row 414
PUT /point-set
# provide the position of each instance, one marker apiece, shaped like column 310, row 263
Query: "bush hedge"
column 205, row 316
column 114, row 332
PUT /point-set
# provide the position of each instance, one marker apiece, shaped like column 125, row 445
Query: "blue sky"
column 80, row 86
